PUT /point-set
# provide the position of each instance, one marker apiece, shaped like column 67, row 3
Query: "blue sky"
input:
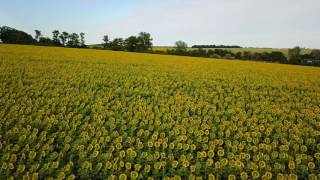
column 257, row 23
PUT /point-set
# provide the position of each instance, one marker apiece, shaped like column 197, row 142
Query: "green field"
column 92, row 114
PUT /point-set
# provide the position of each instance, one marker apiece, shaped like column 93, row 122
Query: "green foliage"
column 315, row 54
column 44, row 41
column 106, row 42
column 181, row 46
column 117, row 44
column 131, row 43
column 295, row 55
column 38, row 34
column 82, row 41
column 140, row 43
column 64, row 36
column 73, row 40
column 55, row 37
column 13, row 36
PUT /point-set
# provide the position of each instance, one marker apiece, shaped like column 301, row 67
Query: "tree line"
column 215, row 46
column 143, row 43
column 13, row 36
column 295, row 55
column 181, row 49
column 140, row 43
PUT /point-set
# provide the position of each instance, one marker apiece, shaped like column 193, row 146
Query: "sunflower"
column 255, row 174
column 220, row 153
column 174, row 164
column 232, row 177
column 134, row 175
column 209, row 162
column 122, row 177
column 243, row 175
column 293, row 176
column 211, row 177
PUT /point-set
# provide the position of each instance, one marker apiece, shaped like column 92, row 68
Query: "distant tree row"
column 181, row 48
column 61, row 39
column 13, row 36
column 294, row 55
column 215, row 46
column 140, row 43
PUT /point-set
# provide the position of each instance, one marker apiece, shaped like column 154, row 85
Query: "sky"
column 248, row 23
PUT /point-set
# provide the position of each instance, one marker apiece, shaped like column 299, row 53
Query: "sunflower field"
column 92, row 114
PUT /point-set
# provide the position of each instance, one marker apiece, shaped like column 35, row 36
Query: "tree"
column 181, row 46
column 14, row 36
column 140, row 43
column 38, row 34
column 315, row 54
column 55, row 37
column 247, row 55
column 200, row 52
column 144, row 41
column 73, row 40
column 45, row 41
column 131, row 43
column 117, row 44
column 238, row 55
column 106, row 42
column 82, row 42
column 295, row 55
column 277, row 56
column 64, row 36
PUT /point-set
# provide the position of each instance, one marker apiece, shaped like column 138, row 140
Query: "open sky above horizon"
column 249, row 23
